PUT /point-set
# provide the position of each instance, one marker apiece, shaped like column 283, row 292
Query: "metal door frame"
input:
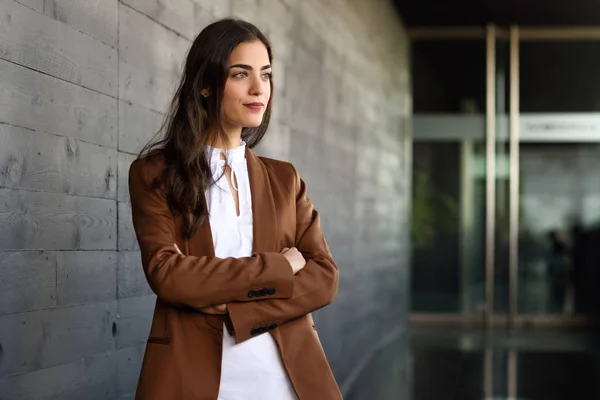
column 515, row 35
column 490, row 172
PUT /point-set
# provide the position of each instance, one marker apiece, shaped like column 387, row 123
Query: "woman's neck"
column 234, row 138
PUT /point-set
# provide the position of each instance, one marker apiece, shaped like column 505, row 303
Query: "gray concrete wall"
column 82, row 85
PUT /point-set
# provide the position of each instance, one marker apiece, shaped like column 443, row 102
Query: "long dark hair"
column 193, row 121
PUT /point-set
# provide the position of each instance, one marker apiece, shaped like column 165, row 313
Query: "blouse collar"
column 234, row 155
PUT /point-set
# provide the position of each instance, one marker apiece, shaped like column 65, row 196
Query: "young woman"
column 230, row 243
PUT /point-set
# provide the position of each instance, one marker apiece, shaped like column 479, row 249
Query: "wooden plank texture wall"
column 83, row 85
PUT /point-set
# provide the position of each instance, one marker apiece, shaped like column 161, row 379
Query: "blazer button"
column 252, row 293
column 271, row 291
column 272, row 327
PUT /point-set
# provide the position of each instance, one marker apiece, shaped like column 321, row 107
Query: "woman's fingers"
column 217, row 309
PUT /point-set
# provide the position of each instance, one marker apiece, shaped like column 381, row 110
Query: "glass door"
column 506, row 175
column 450, row 156
column 559, row 172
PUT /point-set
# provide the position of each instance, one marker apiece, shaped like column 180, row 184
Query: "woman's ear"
column 205, row 93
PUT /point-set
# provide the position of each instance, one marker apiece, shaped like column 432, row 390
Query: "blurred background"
column 452, row 149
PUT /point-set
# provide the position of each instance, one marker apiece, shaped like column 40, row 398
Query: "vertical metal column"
column 514, row 176
column 490, row 171
column 467, row 215
column 512, row 374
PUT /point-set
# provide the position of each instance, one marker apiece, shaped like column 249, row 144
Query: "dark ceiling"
column 502, row 12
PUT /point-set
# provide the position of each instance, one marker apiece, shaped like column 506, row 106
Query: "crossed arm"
column 294, row 257
column 202, row 282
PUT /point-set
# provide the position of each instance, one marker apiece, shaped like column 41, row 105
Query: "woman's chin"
column 252, row 123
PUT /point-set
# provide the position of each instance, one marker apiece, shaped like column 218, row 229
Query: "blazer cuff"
column 243, row 317
column 277, row 284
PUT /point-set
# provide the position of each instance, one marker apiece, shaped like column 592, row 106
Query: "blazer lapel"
column 264, row 226
column 263, row 206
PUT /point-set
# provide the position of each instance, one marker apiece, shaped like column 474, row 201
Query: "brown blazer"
column 183, row 353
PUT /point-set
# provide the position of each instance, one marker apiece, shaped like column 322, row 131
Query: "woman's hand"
column 219, row 309
column 295, row 259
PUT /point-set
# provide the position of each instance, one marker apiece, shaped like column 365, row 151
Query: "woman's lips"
column 255, row 106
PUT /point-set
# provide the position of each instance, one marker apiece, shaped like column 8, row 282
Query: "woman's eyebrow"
column 249, row 68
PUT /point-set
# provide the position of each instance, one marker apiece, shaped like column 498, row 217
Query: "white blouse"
column 252, row 369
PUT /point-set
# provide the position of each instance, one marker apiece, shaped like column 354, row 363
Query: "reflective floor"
column 457, row 364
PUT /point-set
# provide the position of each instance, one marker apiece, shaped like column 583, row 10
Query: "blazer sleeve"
column 189, row 280
column 315, row 286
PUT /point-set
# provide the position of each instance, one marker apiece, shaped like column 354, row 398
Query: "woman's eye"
column 267, row 76
column 240, row 75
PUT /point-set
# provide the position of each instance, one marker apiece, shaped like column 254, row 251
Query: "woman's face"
column 248, row 86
